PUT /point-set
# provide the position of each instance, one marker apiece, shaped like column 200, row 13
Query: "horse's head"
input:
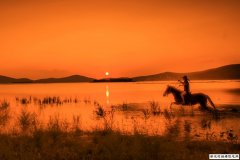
column 167, row 91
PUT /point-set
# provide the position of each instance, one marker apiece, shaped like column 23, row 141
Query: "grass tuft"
column 4, row 112
column 155, row 108
column 27, row 121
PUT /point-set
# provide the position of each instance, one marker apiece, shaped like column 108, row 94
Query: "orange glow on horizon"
column 42, row 39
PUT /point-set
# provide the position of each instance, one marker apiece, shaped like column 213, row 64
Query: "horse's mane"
column 175, row 88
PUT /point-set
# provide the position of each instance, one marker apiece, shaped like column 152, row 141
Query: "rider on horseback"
column 186, row 94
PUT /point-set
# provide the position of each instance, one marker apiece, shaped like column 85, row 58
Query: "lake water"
column 221, row 92
column 81, row 99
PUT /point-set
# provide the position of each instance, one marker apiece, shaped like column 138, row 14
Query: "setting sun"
column 107, row 73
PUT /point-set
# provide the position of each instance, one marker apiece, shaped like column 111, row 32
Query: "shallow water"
column 81, row 99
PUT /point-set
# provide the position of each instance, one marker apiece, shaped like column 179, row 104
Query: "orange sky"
column 54, row 38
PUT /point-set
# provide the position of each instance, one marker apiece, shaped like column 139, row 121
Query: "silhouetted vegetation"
column 114, row 80
column 4, row 112
column 155, row 108
column 61, row 139
column 54, row 100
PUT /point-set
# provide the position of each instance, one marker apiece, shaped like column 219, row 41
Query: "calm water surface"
column 221, row 92
column 137, row 95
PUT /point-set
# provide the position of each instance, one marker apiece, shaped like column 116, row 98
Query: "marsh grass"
column 49, row 100
column 155, row 108
column 76, row 125
column 146, row 114
column 87, row 100
column 4, row 112
column 107, row 116
column 100, row 112
column 55, row 127
column 136, row 127
column 172, row 129
column 27, row 121
column 123, row 107
column 60, row 139
column 4, row 105
column 187, row 129
column 24, row 101
column 109, row 146
column 168, row 115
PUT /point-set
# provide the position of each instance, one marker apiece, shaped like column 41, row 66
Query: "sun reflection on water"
column 107, row 94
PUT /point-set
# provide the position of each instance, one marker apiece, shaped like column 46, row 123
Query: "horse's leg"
column 172, row 103
column 191, row 104
column 203, row 104
column 182, row 109
column 192, row 110
column 210, row 101
column 191, row 107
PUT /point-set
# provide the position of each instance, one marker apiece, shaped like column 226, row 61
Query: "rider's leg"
column 183, row 98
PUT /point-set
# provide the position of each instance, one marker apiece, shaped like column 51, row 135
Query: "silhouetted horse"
column 196, row 98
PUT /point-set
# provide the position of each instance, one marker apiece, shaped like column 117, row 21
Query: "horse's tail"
column 211, row 102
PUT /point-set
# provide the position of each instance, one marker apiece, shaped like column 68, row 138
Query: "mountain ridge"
column 227, row 72
column 68, row 79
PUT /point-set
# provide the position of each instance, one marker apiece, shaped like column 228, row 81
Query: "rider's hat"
column 185, row 77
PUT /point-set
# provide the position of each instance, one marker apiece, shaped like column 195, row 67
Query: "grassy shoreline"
column 58, row 139
column 103, row 144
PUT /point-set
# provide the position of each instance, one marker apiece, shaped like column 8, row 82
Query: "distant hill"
column 4, row 79
column 220, row 73
column 124, row 79
column 73, row 78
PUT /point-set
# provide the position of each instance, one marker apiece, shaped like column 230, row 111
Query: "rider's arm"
column 181, row 82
